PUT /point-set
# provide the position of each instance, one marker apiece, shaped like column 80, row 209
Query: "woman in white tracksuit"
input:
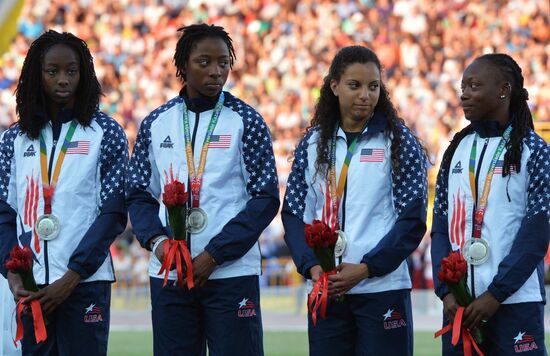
column 492, row 201
column 382, row 209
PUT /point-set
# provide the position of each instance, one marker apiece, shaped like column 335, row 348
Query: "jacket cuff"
column 495, row 292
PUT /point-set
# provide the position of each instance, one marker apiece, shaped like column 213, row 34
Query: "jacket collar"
column 488, row 128
column 377, row 123
column 64, row 115
column 199, row 104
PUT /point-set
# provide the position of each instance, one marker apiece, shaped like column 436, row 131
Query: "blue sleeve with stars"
column 93, row 249
column 242, row 232
column 410, row 195
column 8, row 216
column 440, row 247
column 299, row 197
column 531, row 242
column 143, row 186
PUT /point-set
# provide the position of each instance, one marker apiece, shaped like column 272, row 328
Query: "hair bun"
column 524, row 94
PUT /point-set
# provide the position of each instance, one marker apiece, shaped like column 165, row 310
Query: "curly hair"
column 521, row 119
column 327, row 112
column 29, row 95
column 191, row 35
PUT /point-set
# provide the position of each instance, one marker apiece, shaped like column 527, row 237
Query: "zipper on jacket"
column 50, row 165
column 478, row 170
column 344, row 196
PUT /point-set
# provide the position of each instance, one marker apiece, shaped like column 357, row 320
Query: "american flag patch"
column 78, row 148
column 499, row 168
column 372, row 155
column 220, row 141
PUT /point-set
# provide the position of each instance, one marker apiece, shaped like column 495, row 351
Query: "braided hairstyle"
column 327, row 111
column 29, row 95
column 191, row 35
column 521, row 119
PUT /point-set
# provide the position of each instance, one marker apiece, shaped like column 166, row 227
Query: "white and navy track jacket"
column 88, row 199
column 239, row 190
column 382, row 211
column 516, row 224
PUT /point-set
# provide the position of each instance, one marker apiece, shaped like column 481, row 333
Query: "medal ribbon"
column 337, row 189
column 482, row 205
column 48, row 186
column 195, row 176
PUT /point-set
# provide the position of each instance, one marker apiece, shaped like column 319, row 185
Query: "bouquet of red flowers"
column 454, row 273
column 321, row 238
column 174, row 198
column 20, row 262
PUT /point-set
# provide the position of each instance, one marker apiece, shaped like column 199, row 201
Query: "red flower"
column 453, row 268
column 320, row 235
column 174, row 194
column 20, row 260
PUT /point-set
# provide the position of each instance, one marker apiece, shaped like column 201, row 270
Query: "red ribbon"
column 38, row 321
column 459, row 332
column 177, row 249
column 318, row 298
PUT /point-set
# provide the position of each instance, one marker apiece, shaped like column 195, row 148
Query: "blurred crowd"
column 283, row 51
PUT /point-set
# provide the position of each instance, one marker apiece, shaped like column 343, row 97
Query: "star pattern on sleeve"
column 296, row 190
column 538, row 169
column 258, row 154
column 441, row 192
column 409, row 181
column 6, row 155
column 139, row 168
column 113, row 159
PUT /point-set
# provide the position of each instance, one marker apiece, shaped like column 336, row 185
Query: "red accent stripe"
column 35, row 213
column 27, row 199
column 462, row 221
column 455, row 221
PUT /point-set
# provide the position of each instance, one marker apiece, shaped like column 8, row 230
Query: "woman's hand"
column 348, row 276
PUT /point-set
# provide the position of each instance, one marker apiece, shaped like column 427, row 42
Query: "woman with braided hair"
column 492, row 201
column 62, row 169
column 209, row 137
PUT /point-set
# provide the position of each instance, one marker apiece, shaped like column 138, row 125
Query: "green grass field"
column 140, row 343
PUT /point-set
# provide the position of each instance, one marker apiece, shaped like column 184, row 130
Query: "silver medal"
column 196, row 220
column 476, row 251
column 340, row 246
column 47, row 227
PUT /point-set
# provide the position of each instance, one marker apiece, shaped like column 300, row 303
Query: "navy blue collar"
column 64, row 115
column 488, row 128
column 201, row 103
column 378, row 123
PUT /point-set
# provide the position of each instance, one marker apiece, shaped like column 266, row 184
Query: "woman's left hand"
column 349, row 274
column 481, row 309
column 203, row 266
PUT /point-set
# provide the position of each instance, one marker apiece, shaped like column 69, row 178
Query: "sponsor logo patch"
column 167, row 143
